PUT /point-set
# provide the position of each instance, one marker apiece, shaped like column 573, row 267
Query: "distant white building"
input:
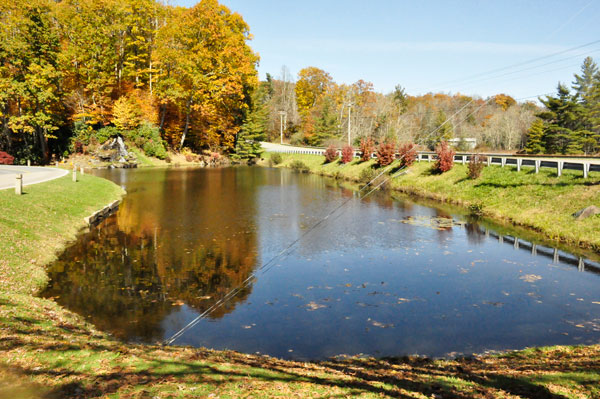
column 470, row 143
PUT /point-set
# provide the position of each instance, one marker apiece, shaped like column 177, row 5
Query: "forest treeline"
column 318, row 111
column 73, row 72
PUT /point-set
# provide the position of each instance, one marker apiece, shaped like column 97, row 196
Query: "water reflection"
column 396, row 276
column 168, row 245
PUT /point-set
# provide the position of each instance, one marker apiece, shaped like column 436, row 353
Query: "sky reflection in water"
column 368, row 281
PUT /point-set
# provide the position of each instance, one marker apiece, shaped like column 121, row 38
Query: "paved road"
column 31, row 175
column 281, row 148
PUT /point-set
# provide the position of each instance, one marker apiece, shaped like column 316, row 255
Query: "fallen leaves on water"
column 314, row 306
column 530, row 278
column 380, row 325
column 436, row 223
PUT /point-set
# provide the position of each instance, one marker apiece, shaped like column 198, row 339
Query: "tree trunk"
column 163, row 113
column 187, row 123
column 43, row 146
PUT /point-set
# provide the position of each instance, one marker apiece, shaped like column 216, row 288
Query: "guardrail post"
column 464, row 159
column 19, row 184
column 559, row 168
column 418, row 157
column 519, row 162
column 74, row 172
column 489, row 161
column 428, row 157
column 586, row 170
column 538, row 163
column 502, row 161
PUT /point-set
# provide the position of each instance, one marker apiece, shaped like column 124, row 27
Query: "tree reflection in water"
column 153, row 256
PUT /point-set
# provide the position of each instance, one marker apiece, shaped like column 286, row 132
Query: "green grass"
column 34, row 226
column 49, row 352
column 542, row 202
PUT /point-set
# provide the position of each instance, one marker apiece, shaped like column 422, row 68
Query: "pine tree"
column 584, row 83
column 564, row 117
column 254, row 128
column 326, row 125
column 535, row 138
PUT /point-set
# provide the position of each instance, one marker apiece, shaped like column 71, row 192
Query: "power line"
column 271, row 263
column 508, row 67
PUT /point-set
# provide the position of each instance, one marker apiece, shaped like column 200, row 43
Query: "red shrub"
column 408, row 154
column 366, row 147
column 385, row 153
column 330, row 154
column 6, row 159
column 347, row 154
column 445, row 157
column 476, row 166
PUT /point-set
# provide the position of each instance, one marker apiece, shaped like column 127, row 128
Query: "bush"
column 385, row 153
column 366, row 175
column 445, row 158
column 330, row 154
column 476, row 166
column 408, row 154
column 6, row 159
column 102, row 135
column 276, row 158
column 347, row 154
column 299, row 166
column 155, row 149
column 366, row 148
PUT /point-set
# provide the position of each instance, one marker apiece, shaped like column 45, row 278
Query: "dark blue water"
column 384, row 277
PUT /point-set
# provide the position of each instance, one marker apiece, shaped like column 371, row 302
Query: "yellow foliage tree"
column 127, row 114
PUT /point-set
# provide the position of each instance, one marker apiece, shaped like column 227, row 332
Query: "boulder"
column 586, row 212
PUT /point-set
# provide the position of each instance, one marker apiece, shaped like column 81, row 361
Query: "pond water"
column 385, row 277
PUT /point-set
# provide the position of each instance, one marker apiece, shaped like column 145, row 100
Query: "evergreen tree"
column 584, row 83
column 535, row 138
column 254, row 128
column 326, row 125
column 443, row 131
column 564, row 118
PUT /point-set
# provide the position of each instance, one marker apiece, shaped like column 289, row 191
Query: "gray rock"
column 586, row 212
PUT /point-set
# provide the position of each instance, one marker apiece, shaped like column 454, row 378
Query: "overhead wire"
column 501, row 69
column 266, row 267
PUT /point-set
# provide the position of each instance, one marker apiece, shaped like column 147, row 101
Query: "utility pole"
column 282, row 114
column 349, row 112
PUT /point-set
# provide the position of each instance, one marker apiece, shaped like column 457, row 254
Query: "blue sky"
column 426, row 45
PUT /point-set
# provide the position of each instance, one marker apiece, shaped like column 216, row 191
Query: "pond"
column 380, row 277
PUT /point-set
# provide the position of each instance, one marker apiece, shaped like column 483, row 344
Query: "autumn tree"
column 206, row 70
column 30, row 76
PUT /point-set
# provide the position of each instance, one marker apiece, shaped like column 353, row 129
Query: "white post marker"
column 19, row 184
column 74, row 172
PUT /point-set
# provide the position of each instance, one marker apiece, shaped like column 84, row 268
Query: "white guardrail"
column 584, row 164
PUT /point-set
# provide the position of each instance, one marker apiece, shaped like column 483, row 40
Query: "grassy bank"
column 540, row 201
column 46, row 351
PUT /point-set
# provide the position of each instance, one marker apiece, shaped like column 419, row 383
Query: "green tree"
column 535, row 138
column 326, row 125
column 254, row 128
column 563, row 118
column 583, row 84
